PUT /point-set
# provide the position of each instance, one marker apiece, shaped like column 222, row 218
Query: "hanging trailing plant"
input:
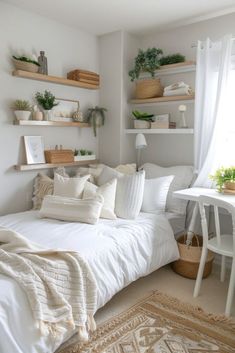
column 96, row 117
column 148, row 61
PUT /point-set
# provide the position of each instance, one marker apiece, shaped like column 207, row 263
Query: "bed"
column 119, row 252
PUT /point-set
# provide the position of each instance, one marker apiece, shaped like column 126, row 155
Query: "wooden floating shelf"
column 187, row 66
column 53, row 79
column 50, row 123
column 175, row 99
column 25, row 167
column 159, row 131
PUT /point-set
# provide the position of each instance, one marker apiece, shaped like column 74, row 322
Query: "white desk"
column 192, row 194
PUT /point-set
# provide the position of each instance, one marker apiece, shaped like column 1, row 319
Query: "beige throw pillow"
column 69, row 187
column 108, row 191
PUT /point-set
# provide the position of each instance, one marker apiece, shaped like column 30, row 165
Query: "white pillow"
column 72, row 209
column 183, row 176
column 126, row 168
column 107, row 175
column 129, row 195
column 108, row 191
column 69, row 187
column 155, row 194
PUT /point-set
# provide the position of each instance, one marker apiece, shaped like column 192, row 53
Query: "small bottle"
column 42, row 60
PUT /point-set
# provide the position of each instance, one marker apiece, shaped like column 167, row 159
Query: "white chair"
column 223, row 244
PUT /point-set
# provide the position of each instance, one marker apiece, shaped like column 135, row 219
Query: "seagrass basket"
column 148, row 88
column 190, row 255
column 23, row 65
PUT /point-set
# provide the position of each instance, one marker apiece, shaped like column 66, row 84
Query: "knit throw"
column 59, row 284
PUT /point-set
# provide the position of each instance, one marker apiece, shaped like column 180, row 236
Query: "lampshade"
column 140, row 141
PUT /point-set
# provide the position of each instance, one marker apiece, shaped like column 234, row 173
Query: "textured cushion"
column 126, row 168
column 129, row 194
column 183, row 176
column 93, row 172
column 108, row 191
column 69, row 187
column 72, row 209
column 155, row 194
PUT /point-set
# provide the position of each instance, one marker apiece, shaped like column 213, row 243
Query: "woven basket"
column 148, row 89
column 22, row 65
column 190, row 255
column 229, row 185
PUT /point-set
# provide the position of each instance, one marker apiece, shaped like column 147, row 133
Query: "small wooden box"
column 59, row 156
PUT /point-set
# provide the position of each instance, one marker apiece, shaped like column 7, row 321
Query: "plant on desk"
column 224, row 178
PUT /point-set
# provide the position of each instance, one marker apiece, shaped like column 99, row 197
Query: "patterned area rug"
column 160, row 324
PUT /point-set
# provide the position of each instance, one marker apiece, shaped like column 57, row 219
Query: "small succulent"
column 82, row 152
column 21, row 105
column 46, row 100
column 26, row 59
column 96, row 117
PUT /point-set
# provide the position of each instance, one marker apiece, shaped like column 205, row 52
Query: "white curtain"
column 212, row 102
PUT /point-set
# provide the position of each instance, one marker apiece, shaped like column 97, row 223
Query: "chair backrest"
column 216, row 203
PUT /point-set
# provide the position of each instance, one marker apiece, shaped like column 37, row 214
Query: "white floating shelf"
column 160, row 131
column 187, row 66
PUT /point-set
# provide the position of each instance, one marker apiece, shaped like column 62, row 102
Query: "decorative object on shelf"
column 190, row 255
column 140, row 143
column 142, row 120
column 37, row 114
column 78, row 115
column 82, row 155
column 225, row 179
column 25, row 63
column 96, row 117
column 148, row 61
column 148, row 88
column 42, row 60
column 22, row 109
column 47, row 101
column 84, row 76
column 65, row 110
column 161, row 121
column 34, row 149
column 59, row 156
column 178, row 89
column 182, row 109
column 172, row 59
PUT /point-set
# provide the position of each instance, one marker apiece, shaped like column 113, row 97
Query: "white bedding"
column 119, row 252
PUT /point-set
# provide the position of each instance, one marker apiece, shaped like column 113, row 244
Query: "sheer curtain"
column 213, row 107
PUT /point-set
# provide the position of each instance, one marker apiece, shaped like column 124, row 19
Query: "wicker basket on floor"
column 148, row 89
column 190, row 255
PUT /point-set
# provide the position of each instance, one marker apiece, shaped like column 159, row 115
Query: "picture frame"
column 65, row 110
column 34, row 148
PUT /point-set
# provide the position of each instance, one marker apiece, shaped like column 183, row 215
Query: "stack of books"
column 84, row 76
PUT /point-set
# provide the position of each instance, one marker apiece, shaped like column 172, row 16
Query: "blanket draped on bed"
column 59, row 284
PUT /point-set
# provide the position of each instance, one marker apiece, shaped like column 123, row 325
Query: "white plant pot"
column 47, row 115
column 22, row 114
column 142, row 124
column 84, row 158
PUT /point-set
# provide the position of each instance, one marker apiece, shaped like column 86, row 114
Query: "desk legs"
column 192, row 224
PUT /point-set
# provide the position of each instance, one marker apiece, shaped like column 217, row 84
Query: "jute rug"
column 160, row 324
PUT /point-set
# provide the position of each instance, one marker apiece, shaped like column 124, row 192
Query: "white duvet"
column 119, row 252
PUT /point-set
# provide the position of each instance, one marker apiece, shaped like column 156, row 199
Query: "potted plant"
column 22, row 109
column 224, row 179
column 172, row 59
column 82, row 154
column 96, row 117
column 25, row 63
column 147, row 61
column 142, row 120
column 47, row 101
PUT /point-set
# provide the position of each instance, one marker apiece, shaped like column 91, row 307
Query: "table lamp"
column 140, row 143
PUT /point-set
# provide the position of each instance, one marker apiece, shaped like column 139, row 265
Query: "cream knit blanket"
column 59, row 284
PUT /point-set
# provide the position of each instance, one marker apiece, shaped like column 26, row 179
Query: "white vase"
column 48, row 115
column 22, row 114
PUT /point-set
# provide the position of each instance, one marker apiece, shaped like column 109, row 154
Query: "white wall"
column 66, row 48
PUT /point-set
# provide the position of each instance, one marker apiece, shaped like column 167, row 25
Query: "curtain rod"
column 194, row 44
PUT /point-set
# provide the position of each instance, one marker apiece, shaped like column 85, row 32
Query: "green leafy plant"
column 148, row 60
column 21, row 105
column 25, row 59
column 82, row 152
column 96, row 117
column 142, row 116
column 172, row 59
column 46, row 100
column 223, row 175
